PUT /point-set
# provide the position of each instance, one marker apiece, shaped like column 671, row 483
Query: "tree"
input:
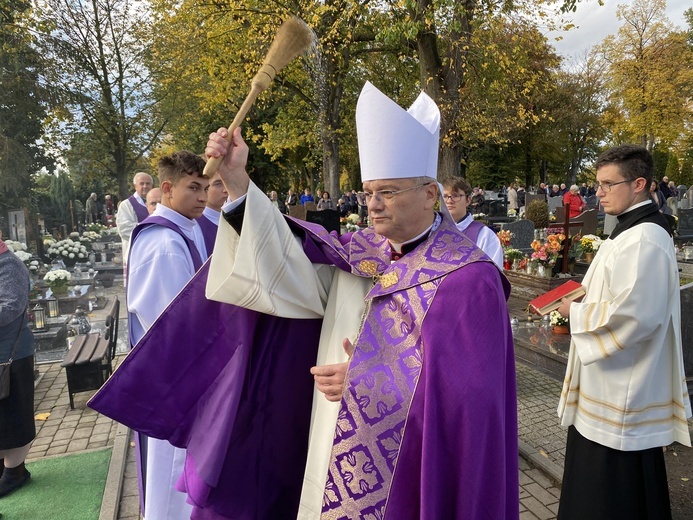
column 449, row 38
column 650, row 75
column 24, row 101
column 579, row 127
column 63, row 195
column 99, row 48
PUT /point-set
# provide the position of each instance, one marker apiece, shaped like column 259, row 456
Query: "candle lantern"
column 53, row 309
column 39, row 317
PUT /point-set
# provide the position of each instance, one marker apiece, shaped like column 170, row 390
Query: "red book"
column 550, row 301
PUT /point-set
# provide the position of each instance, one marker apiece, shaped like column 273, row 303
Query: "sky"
column 594, row 23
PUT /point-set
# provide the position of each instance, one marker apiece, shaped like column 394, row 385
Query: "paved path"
column 66, row 431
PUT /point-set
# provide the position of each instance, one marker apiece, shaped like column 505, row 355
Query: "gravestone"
column 673, row 205
column 531, row 197
column 523, row 234
column 310, row 206
column 555, row 202
column 681, row 190
column 591, row 201
column 496, row 208
column 589, row 221
column 327, row 218
column 17, row 225
column 685, row 222
column 298, row 212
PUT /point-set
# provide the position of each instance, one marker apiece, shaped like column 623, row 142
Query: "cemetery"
column 95, row 94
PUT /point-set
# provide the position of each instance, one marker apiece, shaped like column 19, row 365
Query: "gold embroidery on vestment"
column 389, row 279
column 621, row 425
column 369, row 267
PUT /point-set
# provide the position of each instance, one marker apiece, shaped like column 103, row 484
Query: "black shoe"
column 13, row 478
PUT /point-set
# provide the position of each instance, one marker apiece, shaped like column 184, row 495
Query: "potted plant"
column 69, row 251
column 590, row 245
column 559, row 323
column 58, row 281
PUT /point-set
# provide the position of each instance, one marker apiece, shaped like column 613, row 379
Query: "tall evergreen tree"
column 23, row 104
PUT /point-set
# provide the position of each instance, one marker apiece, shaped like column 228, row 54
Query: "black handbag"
column 5, row 367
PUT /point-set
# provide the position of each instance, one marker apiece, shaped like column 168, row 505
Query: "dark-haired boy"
column 166, row 250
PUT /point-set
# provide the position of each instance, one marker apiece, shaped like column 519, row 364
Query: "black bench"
column 90, row 360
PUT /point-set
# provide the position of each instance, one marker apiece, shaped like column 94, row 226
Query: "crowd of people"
column 279, row 371
column 97, row 212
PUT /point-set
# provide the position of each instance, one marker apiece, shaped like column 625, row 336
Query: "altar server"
column 166, row 250
column 624, row 394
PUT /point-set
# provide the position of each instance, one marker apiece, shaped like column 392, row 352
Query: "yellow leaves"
column 42, row 416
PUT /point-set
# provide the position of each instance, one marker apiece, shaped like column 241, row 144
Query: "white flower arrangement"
column 22, row 255
column 68, row 248
column 512, row 213
column 15, row 246
column 354, row 218
column 34, row 266
column 96, row 228
column 477, row 216
column 557, row 319
column 58, row 276
column 88, row 237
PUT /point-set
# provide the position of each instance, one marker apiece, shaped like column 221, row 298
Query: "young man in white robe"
column 624, row 396
column 457, row 194
column 167, row 249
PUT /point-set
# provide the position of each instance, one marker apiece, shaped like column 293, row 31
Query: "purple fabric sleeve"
column 233, row 387
column 467, row 470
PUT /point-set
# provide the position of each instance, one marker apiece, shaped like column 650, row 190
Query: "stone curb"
column 116, row 470
column 552, row 470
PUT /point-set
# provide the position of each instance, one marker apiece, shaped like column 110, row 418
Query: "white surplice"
column 625, row 386
column 126, row 220
column 274, row 276
column 487, row 240
column 160, row 266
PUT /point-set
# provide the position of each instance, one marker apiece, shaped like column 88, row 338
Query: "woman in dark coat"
column 17, row 429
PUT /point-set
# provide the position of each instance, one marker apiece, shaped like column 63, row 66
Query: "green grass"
column 61, row 488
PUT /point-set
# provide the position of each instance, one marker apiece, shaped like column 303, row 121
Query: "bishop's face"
column 404, row 215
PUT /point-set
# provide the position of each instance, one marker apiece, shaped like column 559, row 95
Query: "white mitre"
column 395, row 143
